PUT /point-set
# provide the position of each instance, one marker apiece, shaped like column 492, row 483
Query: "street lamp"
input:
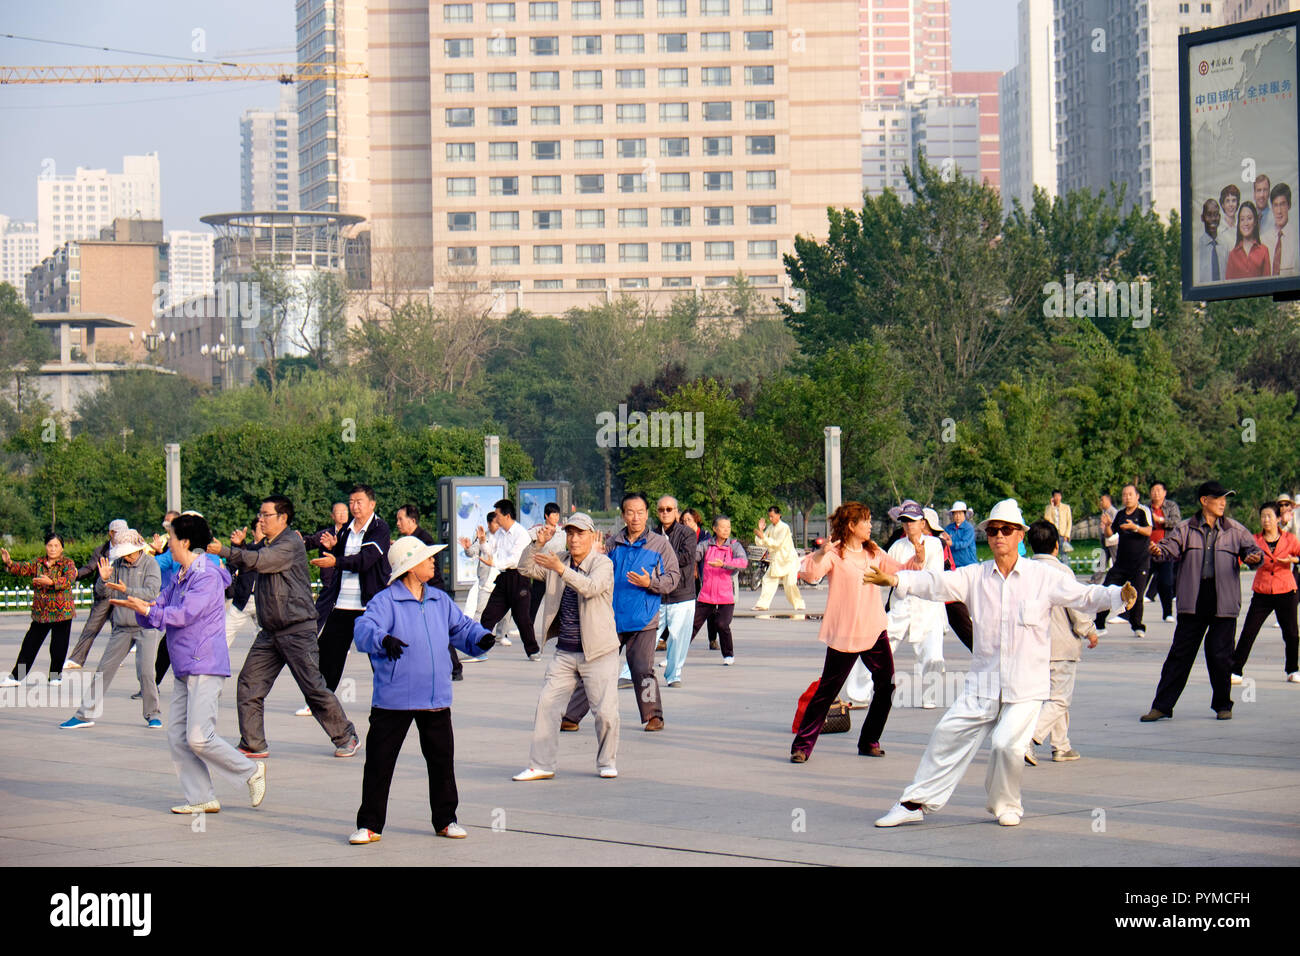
column 222, row 353
column 152, row 339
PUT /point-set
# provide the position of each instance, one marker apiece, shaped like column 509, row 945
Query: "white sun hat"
column 932, row 519
column 1006, row 511
column 408, row 551
column 127, row 542
column 958, row 506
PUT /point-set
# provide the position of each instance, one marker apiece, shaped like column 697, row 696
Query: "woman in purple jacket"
column 192, row 610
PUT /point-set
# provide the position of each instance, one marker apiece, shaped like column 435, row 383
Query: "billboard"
column 534, row 496
column 465, row 504
column 1240, row 142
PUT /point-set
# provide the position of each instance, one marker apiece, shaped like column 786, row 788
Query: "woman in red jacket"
column 1274, row 592
column 52, row 579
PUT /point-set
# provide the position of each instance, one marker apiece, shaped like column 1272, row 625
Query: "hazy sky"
column 195, row 128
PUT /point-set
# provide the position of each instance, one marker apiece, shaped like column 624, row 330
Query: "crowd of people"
column 180, row 600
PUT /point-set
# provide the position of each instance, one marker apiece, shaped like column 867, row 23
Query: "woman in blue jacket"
column 406, row 629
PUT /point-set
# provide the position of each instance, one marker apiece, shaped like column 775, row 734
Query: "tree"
column 154, row 407
column 24, row 344
column 277, row 297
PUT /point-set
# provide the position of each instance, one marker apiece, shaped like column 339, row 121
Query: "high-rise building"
column 920, row 122
column 268, row 158
column 1117, row 95
column 898, row 39
column 1234, row 11
column 79, row 206
column 599, row 145
column 1027, row 104
column 190, row 264
column 886, row 147
column 19, row 251
column 982, row 86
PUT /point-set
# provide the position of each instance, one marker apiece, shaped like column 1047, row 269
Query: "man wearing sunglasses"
column 1010, row 600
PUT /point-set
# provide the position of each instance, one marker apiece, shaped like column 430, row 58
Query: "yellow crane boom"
column 180, row 73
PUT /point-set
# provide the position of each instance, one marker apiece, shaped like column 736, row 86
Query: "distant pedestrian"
column 578, row 611
column 1069, row 629
column 405, row 630
column 52, row 610
column 913, row 619
column 677, row 612
column 99, row 609
column 722, row 559
column 1165, row 516
column 1109, row 537
column 339, row 518
column 511, row 593
column 1288, row 520
column 961, row 541
column 191, row 612
column 286, row 617
column 1272, row 592
column 1208, row 548
column 128, row 571
column 1062, row 519
column 1132, row 525
column 782, row 560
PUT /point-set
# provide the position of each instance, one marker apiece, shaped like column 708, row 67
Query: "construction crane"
column 181, row 73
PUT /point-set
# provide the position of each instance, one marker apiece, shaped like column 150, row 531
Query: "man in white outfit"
column 913, row 619
column 477, row 598
column 1010, row 600
column 782, row 561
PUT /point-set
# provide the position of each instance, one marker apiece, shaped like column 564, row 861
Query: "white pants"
column 1054, row 721
column 956, row 738
column 929, row 655
column 196, row 747
column 787, row 582
column 237, row 620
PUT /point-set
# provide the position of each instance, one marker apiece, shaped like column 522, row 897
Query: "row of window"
column 594, row 253
column 592, row 10
column 593, row 44
column 669, row 78
column 587, row 113
column 634, row 282
column 714, row 181
column 672, row 217
column 550, row 149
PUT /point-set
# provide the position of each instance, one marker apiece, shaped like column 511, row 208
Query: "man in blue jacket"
column 406, row 629
column 645, row 569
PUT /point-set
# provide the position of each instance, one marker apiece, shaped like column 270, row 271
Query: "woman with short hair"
column 52, row 611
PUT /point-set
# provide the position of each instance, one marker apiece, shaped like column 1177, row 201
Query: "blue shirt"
column 963, row 543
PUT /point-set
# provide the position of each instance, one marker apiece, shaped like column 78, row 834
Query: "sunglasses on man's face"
column 994, row 530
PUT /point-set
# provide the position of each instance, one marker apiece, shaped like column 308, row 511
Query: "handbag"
column 838, row 720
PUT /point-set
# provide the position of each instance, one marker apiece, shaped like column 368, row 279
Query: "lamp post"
column 222, row 354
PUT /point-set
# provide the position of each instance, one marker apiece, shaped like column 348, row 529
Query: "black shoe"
column 1223, row 715
column 1154, row 714
column 457, row 675
column 137, row 695
column 713, row 645
column 871, row 750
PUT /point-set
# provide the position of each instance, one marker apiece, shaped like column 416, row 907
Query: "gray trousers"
column 118, row 646
column 641, row 662
column 266, row 658
column 566, row 671
column 95, row 622
column 1054, row 718
column 196, row 748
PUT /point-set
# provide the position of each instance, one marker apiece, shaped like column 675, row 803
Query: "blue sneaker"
column 153, row 723
column 72, row 723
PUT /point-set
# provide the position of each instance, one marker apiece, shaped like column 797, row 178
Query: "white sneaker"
column 303, row 711
column 10, row 681
column 1009, row 820
column 662, row 664
column 257, row 783
column 453, row 831
column 1102, row 632
column 71, row 665
column 1293, row 677
column 364, row 836
column 608, row 773
column 505, row 642
column 899, row 814
column 1169, row 619
column 212, row 806
column 728, row 661
column 56, row 681
column 1235, row 679
column 533, row 774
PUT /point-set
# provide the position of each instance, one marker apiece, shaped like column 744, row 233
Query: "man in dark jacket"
column 287, row 619
column 1207, row 548
column 339, row 514
column 359, row 556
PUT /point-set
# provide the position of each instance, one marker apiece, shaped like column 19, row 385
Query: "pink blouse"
column 855, row 614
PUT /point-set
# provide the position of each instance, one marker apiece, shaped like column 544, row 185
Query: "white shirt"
column 505, row 547
column 1204, row 251
column 913, row 618
column 349, row 582
column 1290, row 256
column 1011, row 619
column 559, row 541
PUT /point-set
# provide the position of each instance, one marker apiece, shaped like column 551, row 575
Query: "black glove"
column 486, row 641
column 393, row 647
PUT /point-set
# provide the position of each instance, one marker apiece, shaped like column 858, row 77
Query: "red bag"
column 804, row 699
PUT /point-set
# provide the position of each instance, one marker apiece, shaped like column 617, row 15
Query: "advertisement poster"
column 1241, row 169
column 532, row 505
column 471, row 507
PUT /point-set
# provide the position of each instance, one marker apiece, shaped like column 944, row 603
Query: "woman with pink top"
column 853, row 627
column 1274, row 593
column 722, row 557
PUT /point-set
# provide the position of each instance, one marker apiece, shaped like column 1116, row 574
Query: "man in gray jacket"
column 1068, row 629
column 1207, row 548
column 127, row 571
column 286, row 615
column 578, row 611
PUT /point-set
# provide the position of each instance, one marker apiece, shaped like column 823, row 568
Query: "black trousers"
column 514, row 593
column 1191, row 629
column 388, row 729
column 1163, row 576
column 639, row 647
column 162, row 662
column 959, row 621
column 1120, row 575
column 1261, row 606
column 31, row 646
column 880, row 661
column 718, row 617
column 335, row 639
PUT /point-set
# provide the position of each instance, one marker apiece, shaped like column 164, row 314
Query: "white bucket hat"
column 958, row 506
column 408, row 551
column 932, row 519
column 1006, row 511
column 127, row 542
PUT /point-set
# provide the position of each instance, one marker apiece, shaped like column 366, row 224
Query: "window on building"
column 716, row 112
column 458, row 48
column 589, row 219
column 547, row 10
column 503, row 116
column 502, row 82
column 544, row 46
column 715, row 75
column 629, row 79
column 760, row 145
column 633, row 252
column 501, row 13
column 762, row 179
column 674, row 113
column 760, row 109
column 675, row 252
column 588, row 113
column 548, row 219
column 546, row 185
column 585, row 9
column 588, row 183
column 587, row 45
column 636, row 282
column 630, row 148
column 546, row 115
column 717, row 182
column 505, row 255
column 675, row 217
column 719, row 216
column 762, row 215
column 546, row 149
column 548, row 255
column 633, row 218
column 544, row 80
column 675, row 182
column 629, row 43
column 673, row 146
column 672, row 8
column 588, row 79
column 546, row 285
column 629, row 9
column 461, row 185
column 591, row 252
column 503, row 185
column 672, row 42
column 458, row 13
column 720, row 251
column 498, row 221
column 459, row 82
column 630, row 112
column 503, row 151
column 716, row 145
column 715, row 42
column 501, row 46
column 631, row 182
column 758, row 40
column 460, row 152
column 589, row 149
column 760, row 76
column 462, row 255
column 762, row 248
column 758, row 8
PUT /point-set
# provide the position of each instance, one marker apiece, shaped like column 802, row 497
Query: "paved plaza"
column 716, row 788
